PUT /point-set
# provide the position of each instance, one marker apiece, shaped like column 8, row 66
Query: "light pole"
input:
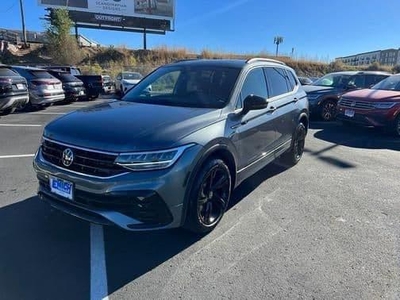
column 21, row 4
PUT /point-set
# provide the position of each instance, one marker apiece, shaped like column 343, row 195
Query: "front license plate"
column 349, row 113
column 61, row 187
column 20, row 86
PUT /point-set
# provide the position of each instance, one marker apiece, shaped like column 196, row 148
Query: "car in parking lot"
column 126, row 80
column 175, row 152
column 305, row 80
column 324, row 93
column 108, row 84
column 378, row 106
column 13, row 90
column 73, row 87
column 44, row 89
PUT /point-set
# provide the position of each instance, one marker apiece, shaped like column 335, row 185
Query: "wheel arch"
column 220, row 150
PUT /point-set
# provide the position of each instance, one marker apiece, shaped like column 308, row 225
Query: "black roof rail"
column 255, row 59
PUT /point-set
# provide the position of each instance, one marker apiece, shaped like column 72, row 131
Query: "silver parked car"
column 44, row 89
column 171, row 156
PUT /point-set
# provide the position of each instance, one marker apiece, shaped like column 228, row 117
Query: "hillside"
column 113, row 60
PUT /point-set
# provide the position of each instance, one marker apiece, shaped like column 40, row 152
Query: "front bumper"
column 376, row 118
column 13, row 101
column 135, row 201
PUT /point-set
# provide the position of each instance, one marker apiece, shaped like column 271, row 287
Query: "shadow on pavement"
column 355, row 136
column 130, row 255
column 44, row 254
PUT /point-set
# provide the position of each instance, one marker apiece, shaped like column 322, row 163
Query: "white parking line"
column 19, row 125
column 98, row 272
column 17, row 156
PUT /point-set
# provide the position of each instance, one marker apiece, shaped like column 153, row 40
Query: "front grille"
column 85, row 161
column 145, row 206
column 356, row 104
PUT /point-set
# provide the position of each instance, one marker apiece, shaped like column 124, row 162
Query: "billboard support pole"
column 144, row 39
column 76, row 32
column 23, row 22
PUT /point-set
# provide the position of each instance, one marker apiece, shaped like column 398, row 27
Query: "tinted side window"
column 292, row 80
column 277, row 80
column 373, row 79
column 254, row 84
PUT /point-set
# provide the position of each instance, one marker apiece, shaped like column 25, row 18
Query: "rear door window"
column 371, row 80
column 277, row 81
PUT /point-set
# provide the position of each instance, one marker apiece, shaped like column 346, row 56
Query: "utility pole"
column 23, row 22
column 144, row 39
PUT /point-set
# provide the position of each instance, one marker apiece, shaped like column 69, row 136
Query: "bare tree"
column 278, row 40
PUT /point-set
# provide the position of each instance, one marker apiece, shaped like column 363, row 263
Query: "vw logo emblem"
column 353, row 104
column 67, row 157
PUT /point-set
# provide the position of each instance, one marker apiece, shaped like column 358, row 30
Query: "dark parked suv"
column 72, row 86
column 171, row 155
column 13, row 90
column 324, row 93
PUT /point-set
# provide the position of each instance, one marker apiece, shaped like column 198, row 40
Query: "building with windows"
column 388, row 57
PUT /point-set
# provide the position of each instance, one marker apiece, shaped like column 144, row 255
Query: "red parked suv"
column 378, row 106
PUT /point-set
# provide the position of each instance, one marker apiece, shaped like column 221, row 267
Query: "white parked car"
column 126, row 80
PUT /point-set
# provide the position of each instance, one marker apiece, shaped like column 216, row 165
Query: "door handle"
column 295, row 99
column 271, row 109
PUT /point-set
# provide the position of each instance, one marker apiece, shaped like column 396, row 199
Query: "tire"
column 7, row 111
column 328, row 110
column 295, row 153
column 209, row 197
column 396, row 127
column 26, row 107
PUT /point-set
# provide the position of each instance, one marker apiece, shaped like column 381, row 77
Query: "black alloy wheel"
column 397, row 126
column 328, row 110
column 7, row 111
column 294, row 155
column 209, row 197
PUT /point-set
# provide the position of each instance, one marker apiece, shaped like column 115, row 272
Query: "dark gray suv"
column 171, row 152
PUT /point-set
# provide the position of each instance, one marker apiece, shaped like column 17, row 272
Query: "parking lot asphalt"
column 328, row 228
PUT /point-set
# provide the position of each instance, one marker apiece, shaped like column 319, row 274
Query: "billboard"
column 149, row 14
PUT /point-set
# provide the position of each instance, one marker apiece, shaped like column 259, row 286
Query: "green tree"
column 278, row 40
column 63, row 47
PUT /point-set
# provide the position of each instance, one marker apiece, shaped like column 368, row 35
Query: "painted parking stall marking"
column 19, row 125
column 16, row 156
column 98, row 272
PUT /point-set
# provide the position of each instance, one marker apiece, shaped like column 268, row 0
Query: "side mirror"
column 253, row 102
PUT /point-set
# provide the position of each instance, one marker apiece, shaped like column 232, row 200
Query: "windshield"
column 134, row 76
column 333, row 80
column 67, row 77
column 189, row 86
column 7, row 72
column 42, row 74
column 391, row 83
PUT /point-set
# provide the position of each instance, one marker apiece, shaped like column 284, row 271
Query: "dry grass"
column 112, row 60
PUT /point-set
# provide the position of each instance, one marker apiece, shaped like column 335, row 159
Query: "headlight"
column 384, row 105
column 151, row 160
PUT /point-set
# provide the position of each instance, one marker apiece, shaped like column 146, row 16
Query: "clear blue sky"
column 316, row 29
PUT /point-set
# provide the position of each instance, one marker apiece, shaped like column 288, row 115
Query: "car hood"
column 319, row 89
column 374, row 95
column 118, row 126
